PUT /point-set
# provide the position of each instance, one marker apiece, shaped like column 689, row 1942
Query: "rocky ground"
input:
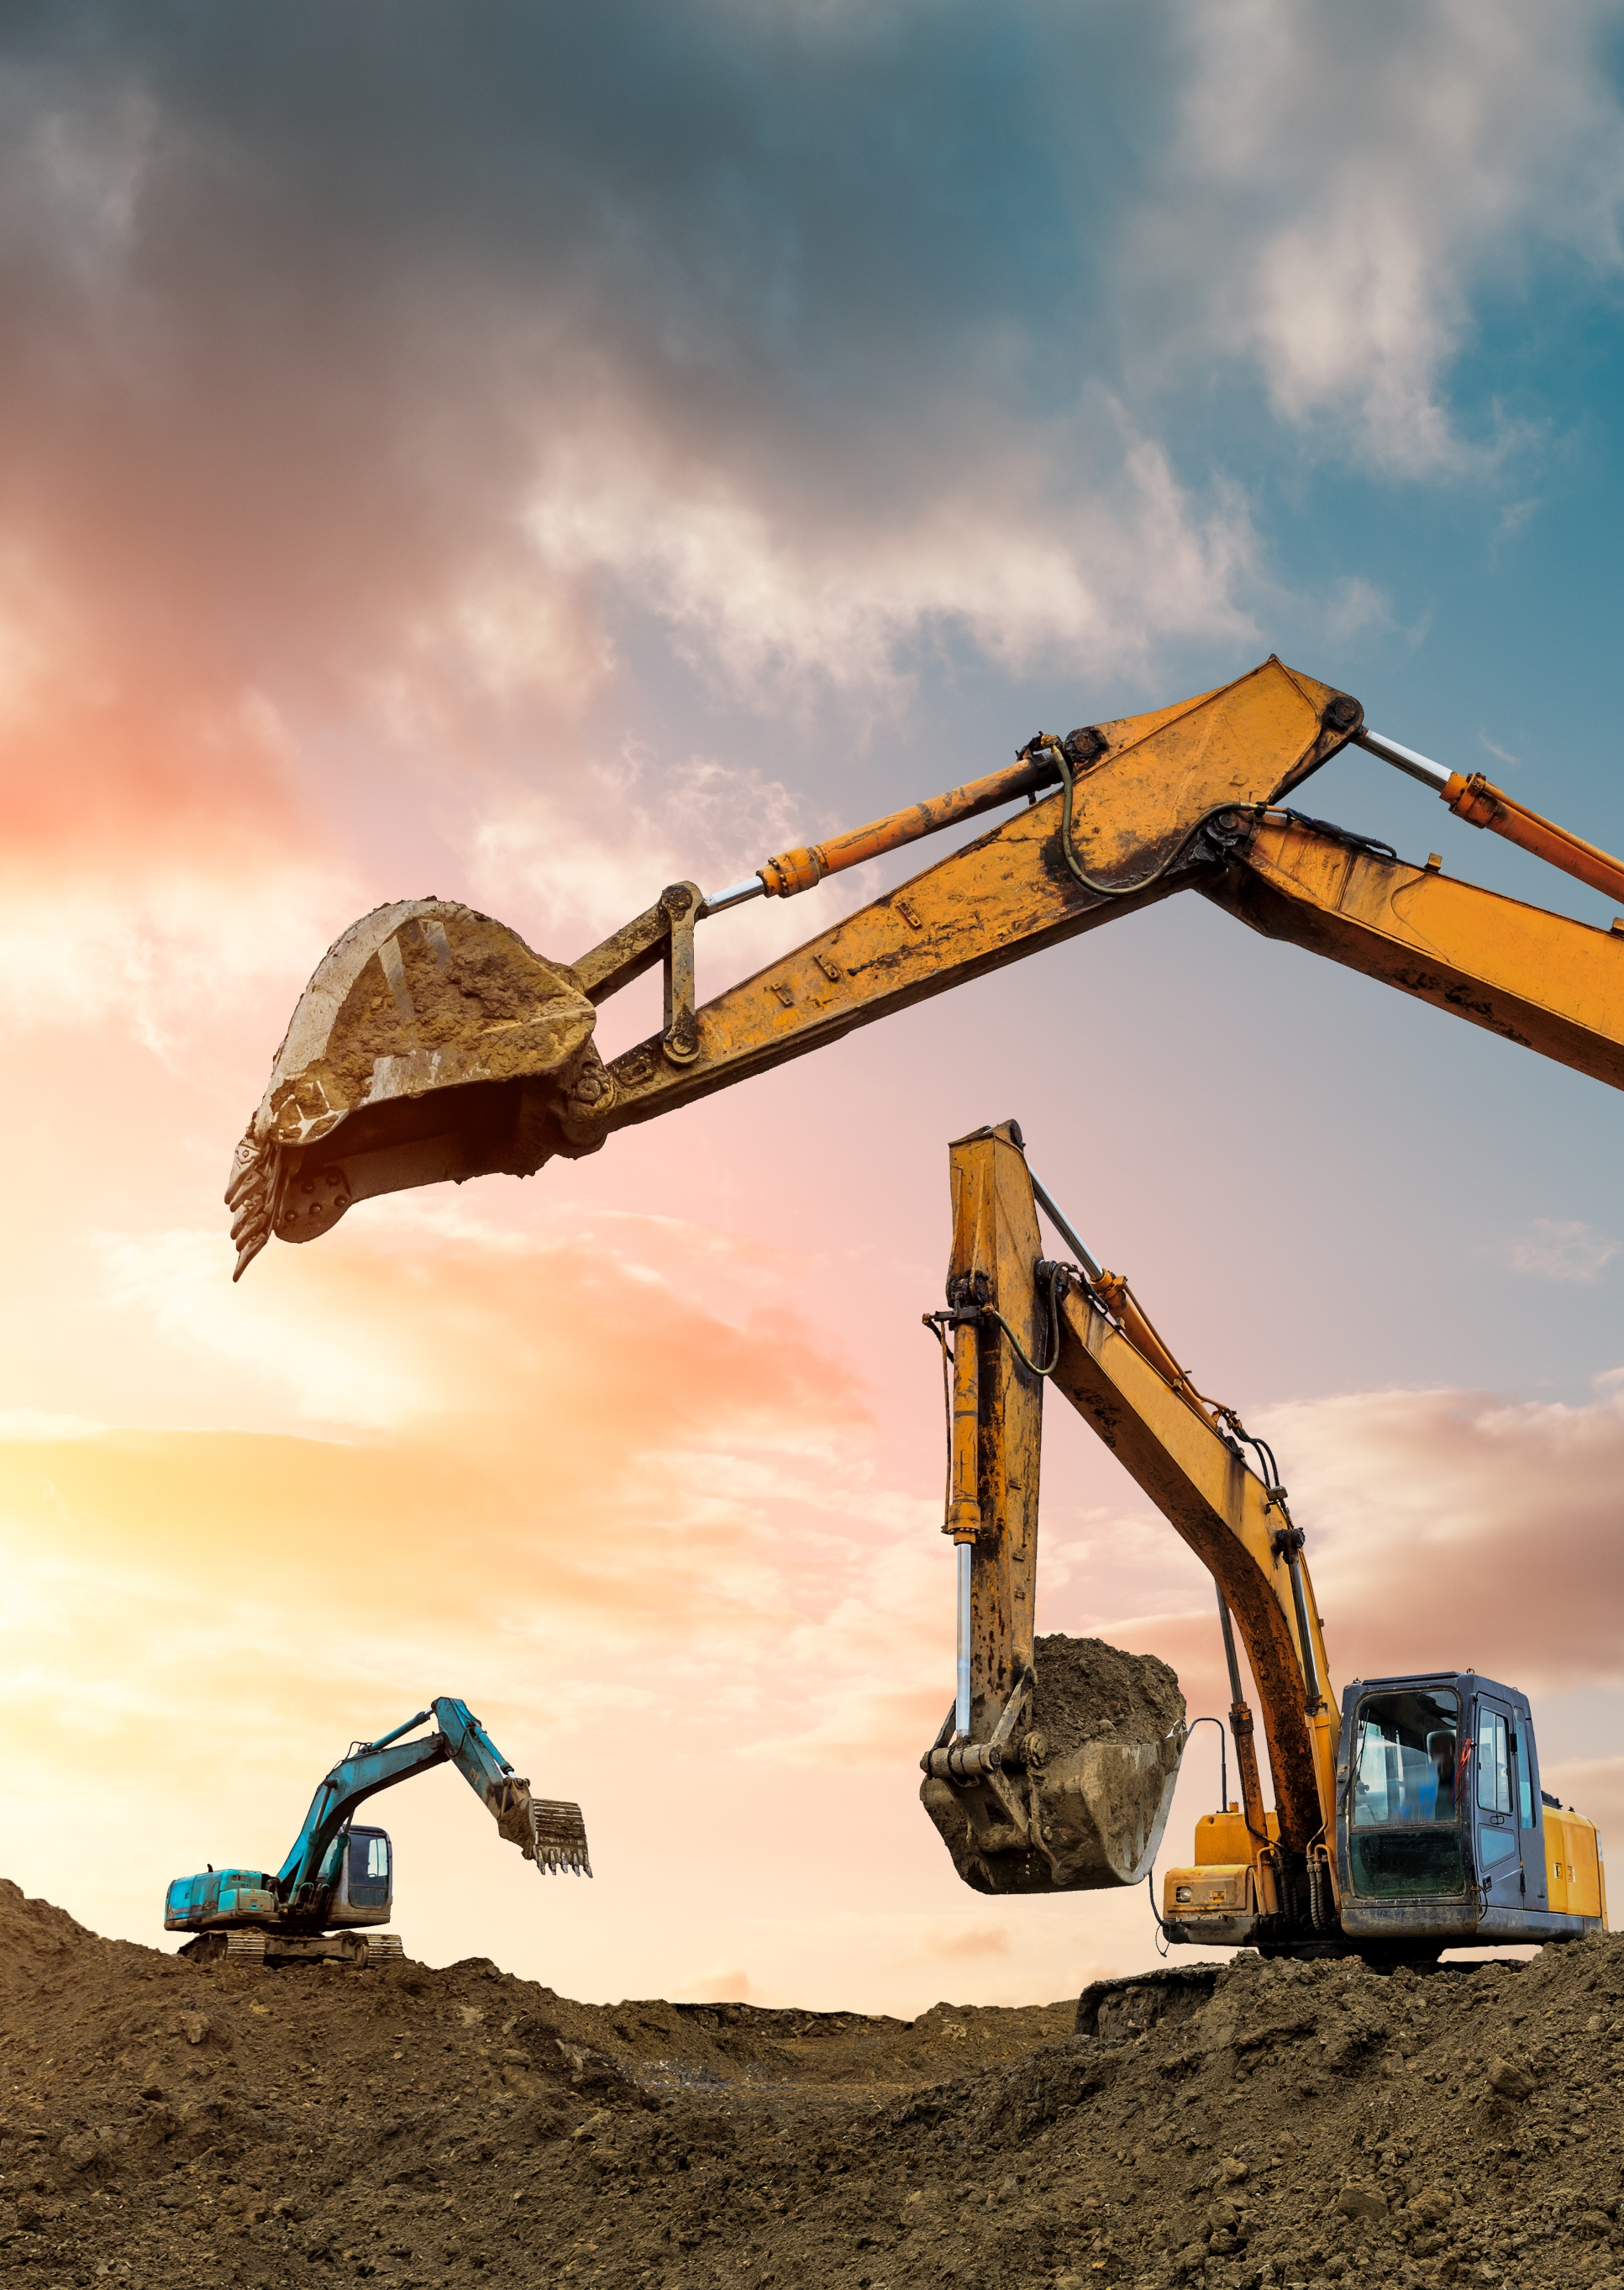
column 169, row 2124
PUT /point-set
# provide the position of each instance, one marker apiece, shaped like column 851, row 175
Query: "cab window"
column 1493, row 1763
column 1403, row 1819
column 368, row 1865
column 1405, row 1761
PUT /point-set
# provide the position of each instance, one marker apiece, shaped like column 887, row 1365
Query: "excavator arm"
column 433, row 1044
column 550, row 1835
column 1018, row 1809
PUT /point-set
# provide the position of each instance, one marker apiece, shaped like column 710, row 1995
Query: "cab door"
column 1499, row 1833
column 1529, row 1812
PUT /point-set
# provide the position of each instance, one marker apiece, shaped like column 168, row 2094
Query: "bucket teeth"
column 251, row 1196
column 559, row 1835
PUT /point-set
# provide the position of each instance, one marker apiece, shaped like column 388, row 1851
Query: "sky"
column 529, row 455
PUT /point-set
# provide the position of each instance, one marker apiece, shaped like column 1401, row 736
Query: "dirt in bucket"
column 1085, row 1796
column 1085, row 1691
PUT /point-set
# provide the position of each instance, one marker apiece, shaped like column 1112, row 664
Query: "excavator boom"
column 1537, row 979
column 433, row 1044
column 460, row 1740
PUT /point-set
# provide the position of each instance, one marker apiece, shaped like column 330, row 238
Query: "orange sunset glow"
column 534, row 463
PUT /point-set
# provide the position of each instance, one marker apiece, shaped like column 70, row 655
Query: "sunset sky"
column 532, row 454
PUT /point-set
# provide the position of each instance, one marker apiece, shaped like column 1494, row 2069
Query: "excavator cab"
column 1444, row 1831
column 365, row 1893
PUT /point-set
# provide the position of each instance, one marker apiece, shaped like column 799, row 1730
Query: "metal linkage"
column 959, row 1759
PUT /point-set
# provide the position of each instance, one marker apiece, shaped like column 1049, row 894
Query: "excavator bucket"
column 445, row 1046
column 546, row 1830
column 1080, row 1794
column 560, row 1837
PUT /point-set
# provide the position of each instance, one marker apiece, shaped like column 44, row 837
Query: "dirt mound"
column 35, row 1938
column 1085, row 1691
column 164, row 2125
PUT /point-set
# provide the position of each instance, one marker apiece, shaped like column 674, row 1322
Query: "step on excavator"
column 432, row 1045
column 339, row 1879
column 1409, row 1817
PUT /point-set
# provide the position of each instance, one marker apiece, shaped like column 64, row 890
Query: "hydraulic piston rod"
column 801, row 869
column 1481, row 804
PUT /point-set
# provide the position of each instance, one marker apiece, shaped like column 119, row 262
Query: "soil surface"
column 173, row 2125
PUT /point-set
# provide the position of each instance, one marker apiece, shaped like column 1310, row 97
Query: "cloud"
column 1343, row 184
column 585, row 862
column 156, row 951
column 812, row 343
column 1353, row 606
column 1457, row 1529
column 34, row 1423
column 1004, row 549
column 1563, row 1249
column 1595, row 1786
column 975, row 1940
column 734, row 1987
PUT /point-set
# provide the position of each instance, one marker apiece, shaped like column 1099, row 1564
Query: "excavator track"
column 253, row 1950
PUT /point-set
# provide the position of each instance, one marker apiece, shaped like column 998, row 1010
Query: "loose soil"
column 169, row 2124
column 1084, row 1690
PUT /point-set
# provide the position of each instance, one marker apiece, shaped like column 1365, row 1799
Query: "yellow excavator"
column 1410, row 1819
column 433, row 1044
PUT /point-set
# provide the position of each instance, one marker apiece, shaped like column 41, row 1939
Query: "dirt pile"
column 1085, row 1691
column 168, row 2125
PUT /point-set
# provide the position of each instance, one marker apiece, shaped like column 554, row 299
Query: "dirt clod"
column 1511, row 2081
column 460, row 2127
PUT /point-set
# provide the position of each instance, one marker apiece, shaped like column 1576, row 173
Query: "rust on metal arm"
column 433, row 1046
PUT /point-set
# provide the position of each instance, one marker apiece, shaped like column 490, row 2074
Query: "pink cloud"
column 1452, row 1528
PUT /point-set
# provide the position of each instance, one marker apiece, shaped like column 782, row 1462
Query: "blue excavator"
column 340, row 1878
